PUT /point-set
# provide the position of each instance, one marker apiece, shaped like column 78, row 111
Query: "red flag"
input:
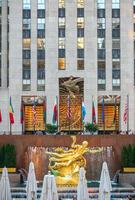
column 93, row 113
column 11, row 112
column 125, row 116
column 55, row 114
column 21, row 114
column 0, row 116
column 34, row 113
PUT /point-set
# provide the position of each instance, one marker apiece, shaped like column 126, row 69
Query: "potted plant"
column 91, row 128
column 8, row 157
column 50, row 128
column 128, row 158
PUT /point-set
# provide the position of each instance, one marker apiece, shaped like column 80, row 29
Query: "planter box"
column 129, row 169
column 10, row 170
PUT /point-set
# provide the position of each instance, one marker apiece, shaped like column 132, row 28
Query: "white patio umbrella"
column 5, row 191
column 82, row 190
column 31, row 186
column 105, row 187
column 49, row 189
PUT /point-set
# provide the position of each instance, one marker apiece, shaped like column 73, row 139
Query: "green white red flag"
column 11, row 112
column 93, row 113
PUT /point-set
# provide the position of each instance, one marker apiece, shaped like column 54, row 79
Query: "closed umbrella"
column 49, row 189
column 82, row 190
column 31, row 187
column 105, row 187
column 5, row 191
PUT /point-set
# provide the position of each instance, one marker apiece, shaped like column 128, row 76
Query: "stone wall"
column 94, row 161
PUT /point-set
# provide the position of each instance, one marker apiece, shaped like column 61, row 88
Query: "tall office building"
column 67, row 52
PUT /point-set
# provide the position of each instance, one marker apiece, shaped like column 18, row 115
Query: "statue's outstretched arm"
column 54, row 154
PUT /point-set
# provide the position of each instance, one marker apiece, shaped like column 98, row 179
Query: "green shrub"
column 128, row 156
column 89, row 127
column 124, row 157
column 50, row 128
column 8, row 156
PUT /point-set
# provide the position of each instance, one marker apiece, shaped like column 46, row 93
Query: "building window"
column 41, row 78
column 134, row 6
column 101, row 4
column 101, row 75
column 26, row 75
column 26, row 70
column 115, row 44
column 41, row 5
column 101, row 52
column 115, row 13
column 41, row 45
column 115, row 4
column 26, row 4
column 101, row 13
column 80, row 35
column 61, row 35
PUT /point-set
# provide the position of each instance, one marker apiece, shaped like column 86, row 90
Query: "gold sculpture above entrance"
column 72, row 86
column 71, row 91
column 65, row 163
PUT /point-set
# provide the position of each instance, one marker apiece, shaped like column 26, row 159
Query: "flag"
column 125, row 115
column 21, row 113
column 55, row 113
column 44, row 111
column 0, row 116
column 83, row 112
column 11, row 112
column 34, row 113
column 68, row 108
column 93, row 113
column 103, row 114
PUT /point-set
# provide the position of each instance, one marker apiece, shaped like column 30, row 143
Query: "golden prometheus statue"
column 65, row 164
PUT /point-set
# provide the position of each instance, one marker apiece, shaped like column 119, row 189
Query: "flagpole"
column 127, row 113
column 21, row 113
column 57, row 112
column 34, row 116
column 115, row 104
column 103, row 114
column 45, row 102
column 10, row 129
column 69, row 114
column 92, row 108
column 82, row 126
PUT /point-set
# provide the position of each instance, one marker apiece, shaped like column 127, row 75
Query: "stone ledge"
column 14, row 179
column 127, row 178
